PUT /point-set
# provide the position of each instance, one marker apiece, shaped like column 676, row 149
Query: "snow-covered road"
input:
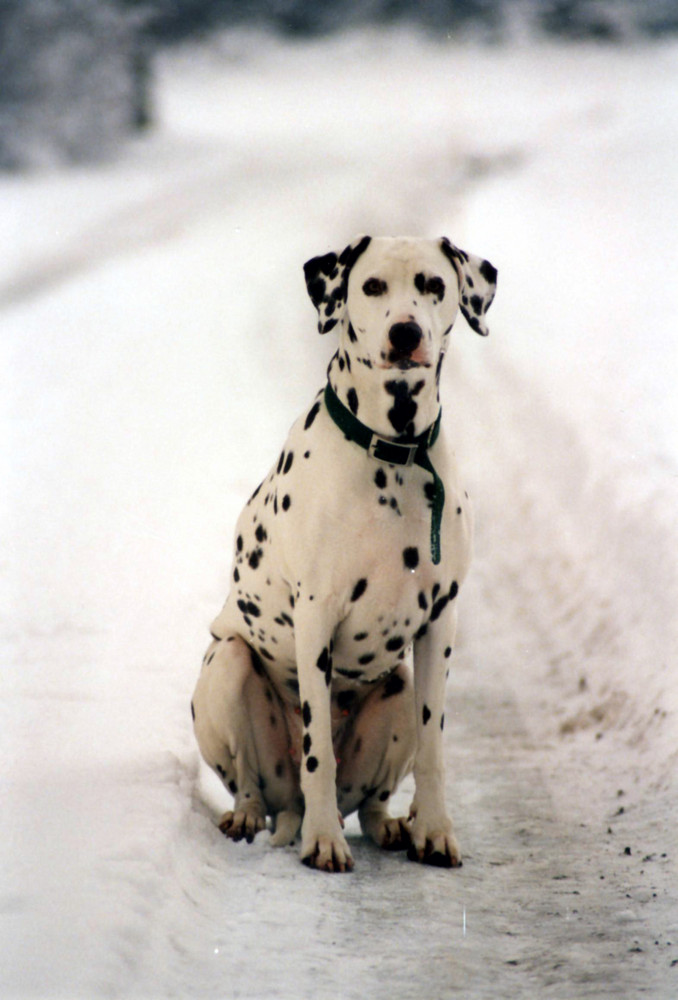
column 156, row 344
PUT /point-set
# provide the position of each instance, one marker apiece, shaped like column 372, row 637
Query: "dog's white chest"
column 361, row 531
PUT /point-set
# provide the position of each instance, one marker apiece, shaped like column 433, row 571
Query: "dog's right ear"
column 327, row 282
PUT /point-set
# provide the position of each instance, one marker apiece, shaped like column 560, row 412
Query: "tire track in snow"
column 589, row 573
column 130, row 227
column 193, row 194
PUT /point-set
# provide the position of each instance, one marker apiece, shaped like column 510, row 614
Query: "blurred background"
column 77, row 75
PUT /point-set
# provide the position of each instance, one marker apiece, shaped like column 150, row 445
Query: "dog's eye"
column 374, row 286
column 436, row 286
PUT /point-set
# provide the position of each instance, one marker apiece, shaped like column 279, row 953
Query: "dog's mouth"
column 403, row 363
column 404, row 360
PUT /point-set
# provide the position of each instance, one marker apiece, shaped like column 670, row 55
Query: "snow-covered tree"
column 73, row 80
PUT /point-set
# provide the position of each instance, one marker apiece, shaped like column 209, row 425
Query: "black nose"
column 405, row 337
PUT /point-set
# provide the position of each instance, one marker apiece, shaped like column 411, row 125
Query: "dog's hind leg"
column 375, row 755
column 243, row 735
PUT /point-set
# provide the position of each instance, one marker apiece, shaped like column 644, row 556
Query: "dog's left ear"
column 327, row 282
column 477, row 284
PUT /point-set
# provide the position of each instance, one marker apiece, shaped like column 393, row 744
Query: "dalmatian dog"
column 324, row 683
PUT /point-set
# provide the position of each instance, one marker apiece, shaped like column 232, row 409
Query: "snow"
column 157, row 343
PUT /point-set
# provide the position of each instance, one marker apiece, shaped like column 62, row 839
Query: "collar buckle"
column 390, row 452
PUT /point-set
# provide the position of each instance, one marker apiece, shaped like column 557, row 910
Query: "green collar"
column 414, row 452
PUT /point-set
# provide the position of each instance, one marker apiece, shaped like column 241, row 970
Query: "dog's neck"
column 395, row 404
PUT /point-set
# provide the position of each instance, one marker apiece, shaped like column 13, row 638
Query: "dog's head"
column 397, row 298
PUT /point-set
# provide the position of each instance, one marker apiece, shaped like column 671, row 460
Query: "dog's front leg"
column 433, row 840
column 323, row 844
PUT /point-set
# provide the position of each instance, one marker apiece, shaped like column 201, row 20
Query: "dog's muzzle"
column 404, row 339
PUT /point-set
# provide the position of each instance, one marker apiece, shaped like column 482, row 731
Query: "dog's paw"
column 328, row 852
column 434, row 844
column 395, row 834
column 241, row 825
column 387, row 832
column 287, row 825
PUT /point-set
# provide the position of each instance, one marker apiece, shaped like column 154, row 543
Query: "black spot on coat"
column 426, row 714
column 394, row 685
column 411, row 557
column 488, row 271
column 316, row 290
column 249, row 608
column 359, row 589
column 404, row 409
column 257, row 665
column 312, row 414
column 324, row 663
column 439, row 607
